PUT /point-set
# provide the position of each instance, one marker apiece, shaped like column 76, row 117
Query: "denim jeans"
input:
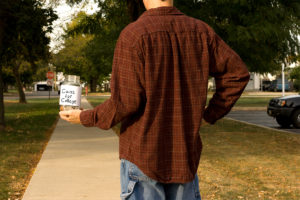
column 135, row 185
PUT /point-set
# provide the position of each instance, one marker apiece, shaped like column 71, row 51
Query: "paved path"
column 78, row 164
column 258, row 117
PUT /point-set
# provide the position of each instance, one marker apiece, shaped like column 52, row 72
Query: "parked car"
column 276, row 85
column 286, row 110
column 265, row 85
column 42, row 86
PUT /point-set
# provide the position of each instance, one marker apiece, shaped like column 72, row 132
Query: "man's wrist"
column 86, row 118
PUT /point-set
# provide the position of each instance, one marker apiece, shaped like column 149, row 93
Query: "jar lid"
column 73, row 79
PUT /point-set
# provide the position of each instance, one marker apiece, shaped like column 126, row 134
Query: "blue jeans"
column 135, row 185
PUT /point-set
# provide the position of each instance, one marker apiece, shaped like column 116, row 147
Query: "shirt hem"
column 165, row 180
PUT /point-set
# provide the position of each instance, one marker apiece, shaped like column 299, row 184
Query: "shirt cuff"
column 214, row 112
column 87, row 118
column 208, row 117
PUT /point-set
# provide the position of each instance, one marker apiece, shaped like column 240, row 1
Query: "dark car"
column 286, row 110
column 265, row 85
column 43, row 87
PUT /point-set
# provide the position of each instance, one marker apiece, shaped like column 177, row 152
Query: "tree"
column 24, row 25
column 134, row 7
column 8, row 78
column 24, row 42
column 295, row 74
column 72, row 59
column 105, row 26
column 99, row 52
column 42, row 67
column 263, row 32
column 3, row 12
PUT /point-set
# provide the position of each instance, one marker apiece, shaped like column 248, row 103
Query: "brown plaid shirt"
column 161, row 67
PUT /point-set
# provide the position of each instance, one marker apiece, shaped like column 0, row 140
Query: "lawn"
column 96, row 100
column 29, row 127
column 242, row 102
column 253, row 101
column 242, row 161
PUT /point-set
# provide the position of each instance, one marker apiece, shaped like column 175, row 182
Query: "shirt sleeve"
column 231, row 77
column 127, row 92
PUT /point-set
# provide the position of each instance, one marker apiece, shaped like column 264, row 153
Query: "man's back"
column 175, row 54
column 159, row 88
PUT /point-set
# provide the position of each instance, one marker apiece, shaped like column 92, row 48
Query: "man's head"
column 157, row 3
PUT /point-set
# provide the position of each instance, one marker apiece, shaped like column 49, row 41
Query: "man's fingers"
column 71, row 116
column 64, row 115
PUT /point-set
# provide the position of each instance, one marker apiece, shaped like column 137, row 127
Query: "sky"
column 65, row 14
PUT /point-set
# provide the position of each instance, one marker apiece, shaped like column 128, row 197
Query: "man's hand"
column 72, row 116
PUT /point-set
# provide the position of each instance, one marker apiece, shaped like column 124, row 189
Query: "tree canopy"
column 264, row 33
column 94, row 38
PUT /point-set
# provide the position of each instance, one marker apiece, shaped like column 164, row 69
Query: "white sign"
column 70, row 95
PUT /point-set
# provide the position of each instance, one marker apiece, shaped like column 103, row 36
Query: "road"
column 260, row 118
column 34, row 95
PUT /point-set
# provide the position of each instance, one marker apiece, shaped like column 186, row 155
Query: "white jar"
column 70, row 93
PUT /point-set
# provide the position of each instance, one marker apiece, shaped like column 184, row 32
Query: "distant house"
column 254, row 82
column 253, row 85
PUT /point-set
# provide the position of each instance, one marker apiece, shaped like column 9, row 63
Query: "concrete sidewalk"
column 78, row 164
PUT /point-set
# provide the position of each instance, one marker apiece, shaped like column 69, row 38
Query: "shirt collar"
column 167, row 10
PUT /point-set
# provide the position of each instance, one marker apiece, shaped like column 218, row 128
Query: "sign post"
column 49, row 83
column 50, row 76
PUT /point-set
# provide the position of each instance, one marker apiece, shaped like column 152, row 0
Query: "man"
column 161, row 67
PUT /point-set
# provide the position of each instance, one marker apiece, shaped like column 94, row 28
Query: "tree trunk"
column 2, row 26
column 5, row 87
column 2, row 120
column 93, row 84
column 22, row 98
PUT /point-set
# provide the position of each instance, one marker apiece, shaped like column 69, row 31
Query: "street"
column 34, row 95
column 260, row 118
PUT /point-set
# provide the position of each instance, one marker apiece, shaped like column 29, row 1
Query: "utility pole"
column 283, row 79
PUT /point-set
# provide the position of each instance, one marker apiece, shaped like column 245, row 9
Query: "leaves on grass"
column 247, row 162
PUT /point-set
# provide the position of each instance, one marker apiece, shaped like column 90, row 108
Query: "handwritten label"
column 70, row 95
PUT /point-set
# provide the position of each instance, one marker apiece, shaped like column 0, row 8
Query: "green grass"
column 242, row 102
column 253, row 101
column 94, row 100
column 11, row 92
column 21, row 144
column 241, row 161
column 250, row 101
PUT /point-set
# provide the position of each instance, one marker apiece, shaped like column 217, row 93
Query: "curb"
column 261, row 126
